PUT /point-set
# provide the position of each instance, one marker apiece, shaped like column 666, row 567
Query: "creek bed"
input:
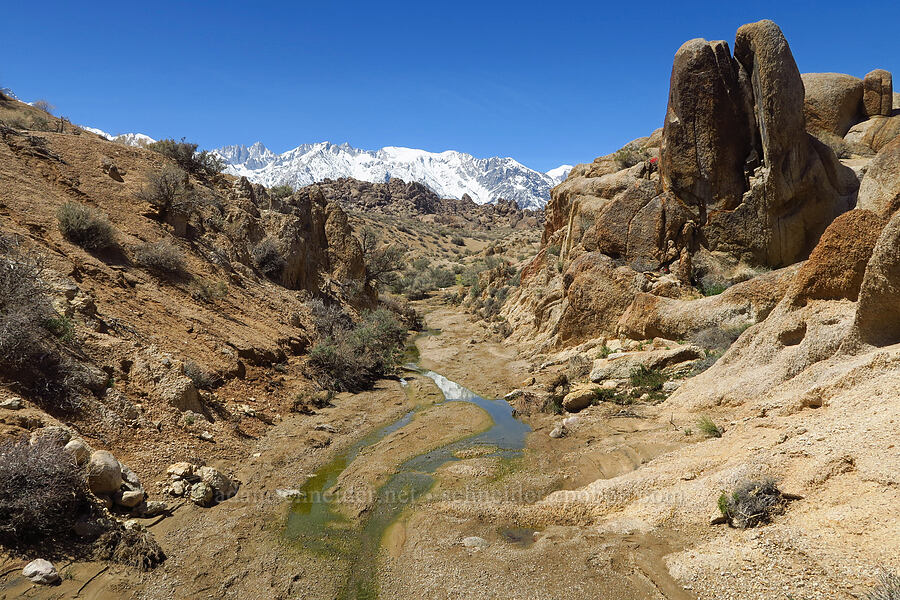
column 316, row 523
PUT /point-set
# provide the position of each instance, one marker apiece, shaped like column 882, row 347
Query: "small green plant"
column 86, row 227
column 605, row 351
column 647, row 380
column 751, row 503
column 713, row 289
column 553, row 405
column 688, row 431
column 61, row 327
column 553, row 249
column 707, row 427
column 458, row 241
column 189, row 419
column 630, row 155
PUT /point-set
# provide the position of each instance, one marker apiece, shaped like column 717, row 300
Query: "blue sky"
column 545, row 83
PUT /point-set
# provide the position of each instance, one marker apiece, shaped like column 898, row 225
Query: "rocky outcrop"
column 741, row 305
column 878, row 93
column 836, row 266
column 879, row 190
column 706, row 138
column 878, row 316
column 733, row 178
column 874, row 133
column 833, row 102
column 597, row 292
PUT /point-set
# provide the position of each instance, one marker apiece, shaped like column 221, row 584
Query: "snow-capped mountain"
column 129, row 139
column 449, row 174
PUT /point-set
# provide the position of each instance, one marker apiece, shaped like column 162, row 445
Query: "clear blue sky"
column 543, row 82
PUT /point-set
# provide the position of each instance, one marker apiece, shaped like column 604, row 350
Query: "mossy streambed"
column 317, row 523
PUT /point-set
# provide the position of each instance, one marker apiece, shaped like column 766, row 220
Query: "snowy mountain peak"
column 560, row 173
column 450, row 174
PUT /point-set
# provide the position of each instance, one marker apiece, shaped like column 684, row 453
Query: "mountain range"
column 449, row 174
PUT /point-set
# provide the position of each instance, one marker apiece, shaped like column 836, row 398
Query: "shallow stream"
column 317, row 524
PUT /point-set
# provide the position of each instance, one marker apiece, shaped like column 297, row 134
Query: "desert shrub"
column 169, row 192
column 352, row 358
column 404, row 311
column 751, row 503
column 630, row 155
column 604, row 351
column 281, row 191
column 457, row 240
column 268, row 258
column 32, row 334
column 44, row 106
column 383, row 261
column 162, row 257
column 86, row 227
column 442, row 277
column 646, row 380
column 42, row 491
column 553, row 250
column 188, row 158
column 887, row 587
column 134, row 547
column 203, row 379
column 710, row 358
column 207, row 290
column 328, row 317
column 708, row 427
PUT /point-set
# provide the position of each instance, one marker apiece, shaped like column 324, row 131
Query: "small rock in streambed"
column 475, row 543
column 41, row 571
column 559, row 432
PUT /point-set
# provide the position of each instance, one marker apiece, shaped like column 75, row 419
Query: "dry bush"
column 752, row 503
column 30, row 356
column 203, row 379
column 188, row 158
column 352, row 359
column 134, row 547
column 268, row 258
column 162, row 257
column 408, row 315
column 85, row 226
column 42, row 491
column 169, row 192
column 887, row 588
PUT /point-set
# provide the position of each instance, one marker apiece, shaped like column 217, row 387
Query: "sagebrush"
column 352, row 358
column 85, row 226
column 42, row 491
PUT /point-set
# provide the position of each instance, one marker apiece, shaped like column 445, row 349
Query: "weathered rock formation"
column 879, row 190
column 732, row 181
column 833, row 102
column 878, row 93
